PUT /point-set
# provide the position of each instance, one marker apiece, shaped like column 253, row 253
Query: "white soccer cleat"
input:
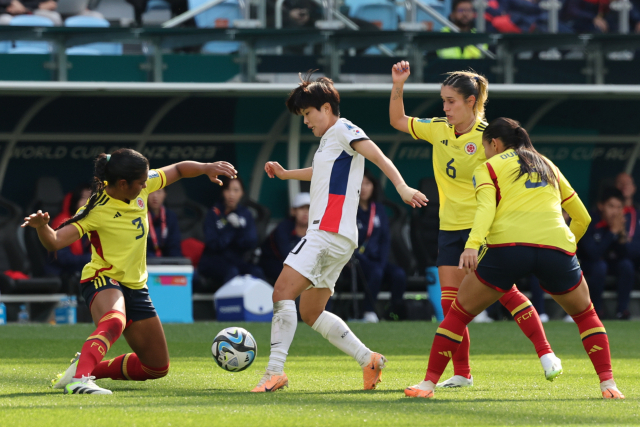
column 65, row 377
column 84, row 385
column 544, row 318
column 552, row 366
column 456, row 381
column 610, row 391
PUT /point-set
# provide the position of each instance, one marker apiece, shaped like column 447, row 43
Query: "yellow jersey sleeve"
column 580, row 218
column 421, row 129
column 486, row 196
column 156, row 180
column 87, row 223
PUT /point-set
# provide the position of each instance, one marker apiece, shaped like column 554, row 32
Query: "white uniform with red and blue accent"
column 332, row 235
column 337, row 177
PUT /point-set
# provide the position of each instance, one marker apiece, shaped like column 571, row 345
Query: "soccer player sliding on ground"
column 457, row 151
column 114, row 282
column 311, row 269
column 520, row 196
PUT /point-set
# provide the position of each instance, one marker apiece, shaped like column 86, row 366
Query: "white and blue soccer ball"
column 234, row 349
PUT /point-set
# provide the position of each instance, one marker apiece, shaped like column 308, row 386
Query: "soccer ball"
column 234, row 349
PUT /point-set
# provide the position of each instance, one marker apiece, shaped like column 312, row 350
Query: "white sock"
column 338, row 333
column 283, row 327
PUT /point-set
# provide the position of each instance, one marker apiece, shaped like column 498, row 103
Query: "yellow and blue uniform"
column 521, row 220
column 118, row 235
column 455, row 157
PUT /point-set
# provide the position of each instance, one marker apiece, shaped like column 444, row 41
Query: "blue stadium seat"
column 381, row 13
column 5, row 46
column 158, row 5
column 220, row 16
column 442, row 7
column 92, row 48
column 32, row 47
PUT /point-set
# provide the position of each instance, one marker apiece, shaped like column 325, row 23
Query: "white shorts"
column 320, row 257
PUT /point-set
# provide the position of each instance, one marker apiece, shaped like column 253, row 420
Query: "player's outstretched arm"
column 398, row 119
column 274, row 169
column 52, row 240
column 190, row 169
column 373, row 153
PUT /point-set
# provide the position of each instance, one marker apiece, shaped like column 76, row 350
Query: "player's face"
column 366, row 190
column 459, row 111
column 317, row 120
column 489, row 148
column 137, row 185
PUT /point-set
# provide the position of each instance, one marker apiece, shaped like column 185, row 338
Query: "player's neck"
column 113, row 193
column 466, row 125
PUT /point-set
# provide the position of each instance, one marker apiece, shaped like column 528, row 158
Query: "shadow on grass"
column 36, row 394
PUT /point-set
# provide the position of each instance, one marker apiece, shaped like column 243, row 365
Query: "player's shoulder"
column 347, row 127
column 481, row 126
column 436, row 122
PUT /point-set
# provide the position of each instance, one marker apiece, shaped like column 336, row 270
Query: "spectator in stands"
column 177, row 7
column 163, row 239
column 605, row 250
column 627, row 186
column 589, row 16
column 463, row 15
column 46, row 8
column 634, row 17
column 295, row 13
column 374, row 243
column 285, row 237
column 229, row 233
column 72, row 259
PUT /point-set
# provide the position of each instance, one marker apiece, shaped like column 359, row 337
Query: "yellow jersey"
column 454, row 160
column 526, row 211
column 118, row 235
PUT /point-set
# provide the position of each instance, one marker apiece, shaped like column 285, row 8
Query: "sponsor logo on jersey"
column 470, row 148
column 113, row 282
column 117, row 215
column 445, row 141
column 323, row 142
column 424, row 120
column 153, row 174
column 140, row 202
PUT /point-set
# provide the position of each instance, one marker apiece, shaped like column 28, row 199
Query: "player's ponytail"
column 124, row 164
column 468, row 83
column 515, row 137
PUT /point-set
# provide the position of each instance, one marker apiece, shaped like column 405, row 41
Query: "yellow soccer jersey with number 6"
column 454, row 160
column 118, row 235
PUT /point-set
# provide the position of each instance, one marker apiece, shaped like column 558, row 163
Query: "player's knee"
column 309, row 316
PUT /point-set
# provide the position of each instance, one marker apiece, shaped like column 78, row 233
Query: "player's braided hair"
column 515, row 137
column 310, row 93
column 468, row 83
column 124, row 164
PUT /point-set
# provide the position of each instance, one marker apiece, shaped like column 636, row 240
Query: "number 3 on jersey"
column 138, row 221
column 451, row 171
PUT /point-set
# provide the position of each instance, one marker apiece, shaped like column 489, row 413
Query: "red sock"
column 128, row 367
column 526, row 316
column 109, row 329
column 447, row 340
column 461, row 357
column 595, row 342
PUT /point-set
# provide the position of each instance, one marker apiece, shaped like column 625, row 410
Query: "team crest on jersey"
column 153, row 174
column 140, row 202
column 470, row 148
column 113, row 282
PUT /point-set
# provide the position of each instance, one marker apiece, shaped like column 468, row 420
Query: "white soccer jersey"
column 337, row 177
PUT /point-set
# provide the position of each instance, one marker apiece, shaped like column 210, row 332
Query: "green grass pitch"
column 325, row 385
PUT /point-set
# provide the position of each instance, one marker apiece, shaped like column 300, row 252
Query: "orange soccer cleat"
column 610, row 391
column 271, row 381
column 416, row 391
column 373, row 371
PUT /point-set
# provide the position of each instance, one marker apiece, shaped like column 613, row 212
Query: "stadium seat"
column 442, row 7
column 92, row 48
column 425, row 225
column 5, row 46
column 47, row 196
column 71, row 7
column 220, row 16
column 261, row 214
column 401, row 253
column 157, row 12
column 379, row 12
column 158, row 5
column 31, row 47
column 117, row 11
